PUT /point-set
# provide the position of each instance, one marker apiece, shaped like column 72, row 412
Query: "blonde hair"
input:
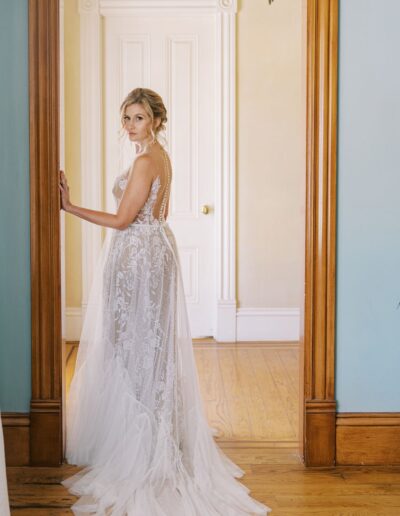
column 152, row 103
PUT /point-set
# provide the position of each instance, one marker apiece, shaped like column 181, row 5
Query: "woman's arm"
column 133, row 199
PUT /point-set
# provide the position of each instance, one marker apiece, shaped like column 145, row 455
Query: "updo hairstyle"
column 152, row 103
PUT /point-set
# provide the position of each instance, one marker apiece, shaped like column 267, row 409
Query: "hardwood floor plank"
column 252, row 392
column 288, row 488
column 42, row 475
column 250, row 457
column 214, row 399
column 304, row 501
column 290, row 365
column 237, row 406
column 286, row 394
column 278, row 424
column 291, row 373
column 28, row 495
column 35, row 511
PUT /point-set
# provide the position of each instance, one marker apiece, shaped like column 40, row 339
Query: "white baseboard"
column 268, row 324
column 251, row 324
column 225, row 330
column 73, row 323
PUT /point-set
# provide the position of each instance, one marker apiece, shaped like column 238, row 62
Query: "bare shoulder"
column 142, row 167
column 144, row 162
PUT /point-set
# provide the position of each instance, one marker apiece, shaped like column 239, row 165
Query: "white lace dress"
column 134, row 414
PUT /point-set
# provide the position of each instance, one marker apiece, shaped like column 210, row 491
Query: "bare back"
column 155, row 209
column 163, row 171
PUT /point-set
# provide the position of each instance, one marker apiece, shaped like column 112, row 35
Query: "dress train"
column 135, row 417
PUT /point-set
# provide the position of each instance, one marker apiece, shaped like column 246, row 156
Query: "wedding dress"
column 134, row 414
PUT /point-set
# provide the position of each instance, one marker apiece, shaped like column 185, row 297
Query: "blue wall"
column 15, row 325
column 368, row 259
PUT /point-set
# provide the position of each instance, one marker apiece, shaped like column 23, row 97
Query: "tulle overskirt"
column 135, row 418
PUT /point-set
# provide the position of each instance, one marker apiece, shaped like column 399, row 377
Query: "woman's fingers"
column 64, row 190
column 64, row 183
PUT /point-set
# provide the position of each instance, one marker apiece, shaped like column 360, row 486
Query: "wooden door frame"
column 318, row 405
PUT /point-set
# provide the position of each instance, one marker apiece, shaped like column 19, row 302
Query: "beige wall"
column 72, row 151
column 270, row 152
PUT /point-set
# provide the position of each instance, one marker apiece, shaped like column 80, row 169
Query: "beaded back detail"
column 145, row 215
column 167, row 168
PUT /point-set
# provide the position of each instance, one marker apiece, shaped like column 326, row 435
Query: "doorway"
column 317, row 400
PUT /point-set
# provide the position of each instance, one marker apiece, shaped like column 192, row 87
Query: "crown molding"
column 115, row 7
column 88, row 6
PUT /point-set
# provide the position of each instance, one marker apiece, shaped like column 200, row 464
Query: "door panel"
column 174, row 56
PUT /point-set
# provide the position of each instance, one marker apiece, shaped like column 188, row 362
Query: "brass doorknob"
column 205, row 209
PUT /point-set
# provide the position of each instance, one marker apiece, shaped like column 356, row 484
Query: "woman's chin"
column 136, row 140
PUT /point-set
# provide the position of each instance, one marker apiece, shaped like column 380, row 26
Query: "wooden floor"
column 250, row 394
column 273, row 475
column 250, row 390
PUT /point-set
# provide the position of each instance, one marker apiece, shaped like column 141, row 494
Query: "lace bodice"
column 145, row 215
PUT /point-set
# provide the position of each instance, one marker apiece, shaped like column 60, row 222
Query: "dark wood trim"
column 368, row 438
column 320, row 260
column 16, row 438
column 46, row 412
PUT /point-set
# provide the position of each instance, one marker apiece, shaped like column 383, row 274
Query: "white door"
column 175, row 56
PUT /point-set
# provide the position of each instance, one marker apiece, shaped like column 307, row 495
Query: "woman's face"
column 137, row 123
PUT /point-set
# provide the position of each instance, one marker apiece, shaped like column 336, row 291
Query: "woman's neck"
column 146, row 145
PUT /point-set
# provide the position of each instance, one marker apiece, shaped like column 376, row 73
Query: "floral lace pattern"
column 145, row 215
column 134, row 413
column 140, row 280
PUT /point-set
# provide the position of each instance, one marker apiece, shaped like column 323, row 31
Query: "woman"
column 134, row 413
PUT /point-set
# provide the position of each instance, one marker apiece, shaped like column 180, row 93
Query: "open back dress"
column 135, row 419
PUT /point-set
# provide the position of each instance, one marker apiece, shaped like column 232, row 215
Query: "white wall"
column 271, row 164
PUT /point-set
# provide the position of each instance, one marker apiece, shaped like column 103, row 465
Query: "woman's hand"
column 64, row 188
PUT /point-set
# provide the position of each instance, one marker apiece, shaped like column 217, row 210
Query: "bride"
column 135, row 418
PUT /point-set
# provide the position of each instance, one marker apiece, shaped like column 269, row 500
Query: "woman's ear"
column 157, row 122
